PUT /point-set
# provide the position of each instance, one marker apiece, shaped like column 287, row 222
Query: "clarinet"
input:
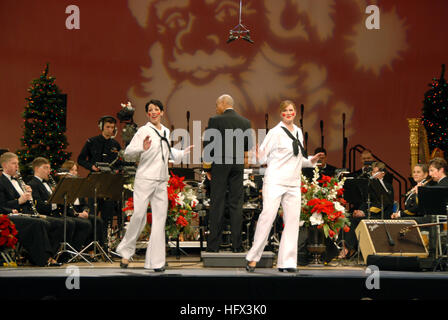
column 52, row 182
column 22, row 185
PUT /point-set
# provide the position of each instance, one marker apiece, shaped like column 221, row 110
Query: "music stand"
column 101, row 185
column 64, row 193
column 355, row 190
column 433, row 200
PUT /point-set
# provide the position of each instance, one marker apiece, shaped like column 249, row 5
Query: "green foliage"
column 435, row 113
column 44, row 124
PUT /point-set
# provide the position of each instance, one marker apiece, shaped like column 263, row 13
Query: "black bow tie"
column 296, row 144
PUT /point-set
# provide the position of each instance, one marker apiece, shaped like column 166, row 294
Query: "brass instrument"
column 23, row 186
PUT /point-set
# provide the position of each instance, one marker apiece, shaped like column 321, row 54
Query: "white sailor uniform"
column 150, row 186
column 281, row 185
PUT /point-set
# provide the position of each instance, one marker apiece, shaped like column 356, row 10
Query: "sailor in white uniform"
column 283, row 152
column 150, row 146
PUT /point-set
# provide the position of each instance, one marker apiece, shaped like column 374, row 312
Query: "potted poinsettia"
column 323, row 205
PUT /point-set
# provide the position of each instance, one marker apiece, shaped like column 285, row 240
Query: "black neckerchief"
column 163, row 139
column 296, row 143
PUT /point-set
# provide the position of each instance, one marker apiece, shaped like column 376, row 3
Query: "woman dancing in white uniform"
column 282, row 150
column 151, row 147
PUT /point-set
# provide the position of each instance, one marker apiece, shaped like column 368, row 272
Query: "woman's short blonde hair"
column 284, row 104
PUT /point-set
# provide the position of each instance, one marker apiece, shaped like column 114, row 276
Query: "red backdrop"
column 316, row 52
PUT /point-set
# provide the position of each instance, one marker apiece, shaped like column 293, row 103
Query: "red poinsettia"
column 323, row 205
column 180, row 206
column 8, row 232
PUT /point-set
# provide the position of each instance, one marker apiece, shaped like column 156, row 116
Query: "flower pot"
column 316, row 244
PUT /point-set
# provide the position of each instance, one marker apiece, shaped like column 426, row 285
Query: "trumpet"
column 23, row 186
column 423, row 183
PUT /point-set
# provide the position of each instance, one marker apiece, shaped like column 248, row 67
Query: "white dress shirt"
column 283, row 167
column 54, row 206
column 152, row 165
column 15, row 183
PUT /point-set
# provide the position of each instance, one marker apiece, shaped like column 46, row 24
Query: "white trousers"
column 290, row 199
column 156, row 193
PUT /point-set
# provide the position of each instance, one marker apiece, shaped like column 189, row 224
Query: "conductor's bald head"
column 224, row 102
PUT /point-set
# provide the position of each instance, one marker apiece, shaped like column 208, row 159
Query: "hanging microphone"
column 266, row 118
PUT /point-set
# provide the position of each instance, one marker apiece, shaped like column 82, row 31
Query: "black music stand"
column 433, row 200
column 356, row 190
column 64, row 193
column 105, row 185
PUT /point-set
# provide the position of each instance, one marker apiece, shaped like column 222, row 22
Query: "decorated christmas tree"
column 435, row 113
column 44, row 124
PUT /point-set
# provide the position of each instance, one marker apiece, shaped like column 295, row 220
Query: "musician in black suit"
column 78, row 229
column 367, row 160
column 103, row 148
column 324, row 167
column 226, row 141
column 438, row 169
column 37, row 235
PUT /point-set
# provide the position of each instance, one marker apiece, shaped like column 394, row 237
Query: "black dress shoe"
column 237, row 250
column 291, row 270
column 249, row 268
column 160, row 269
column 211, row 250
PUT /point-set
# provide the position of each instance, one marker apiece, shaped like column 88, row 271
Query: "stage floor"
column 186, row 280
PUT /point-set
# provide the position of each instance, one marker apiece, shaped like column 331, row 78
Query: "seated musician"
column 420, row 174
column 37, row 235
column 381, row 196
column 367, row 160
column 78, row 229
column 81, row 207
column 438, row 169
column 324, row 167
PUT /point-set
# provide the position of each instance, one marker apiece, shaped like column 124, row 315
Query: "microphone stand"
column 344, row 143
column 306, row 141
column 322, row 133
column 301, row 116
column 188, row 129
column 266, row 118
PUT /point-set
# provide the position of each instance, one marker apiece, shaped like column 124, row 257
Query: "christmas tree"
column 435, row 113
column 44, row 124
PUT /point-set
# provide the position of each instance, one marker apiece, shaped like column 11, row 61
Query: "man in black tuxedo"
column 78, row 229
column 227, row 140
column 37, row 235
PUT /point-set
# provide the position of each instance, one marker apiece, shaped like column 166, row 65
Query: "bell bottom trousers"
column 155, row 193
column 290, row 199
